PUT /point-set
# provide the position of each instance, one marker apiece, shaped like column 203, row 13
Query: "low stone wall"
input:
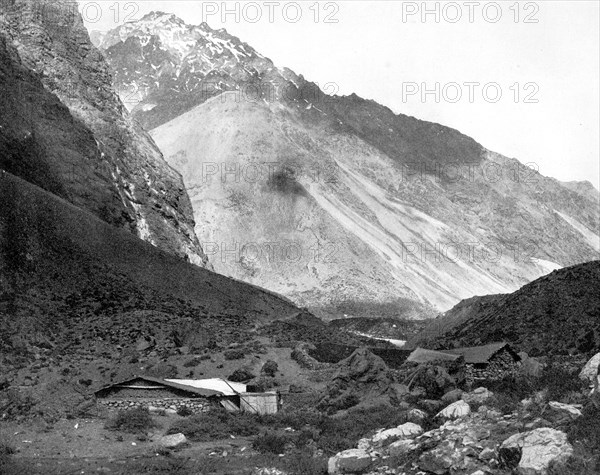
column 194, row 405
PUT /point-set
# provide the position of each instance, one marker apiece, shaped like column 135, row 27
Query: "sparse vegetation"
column 217, row 424
column 135, row 421
column 184, row 411
column 271, row 441
column 241, row 375
column 236, row 354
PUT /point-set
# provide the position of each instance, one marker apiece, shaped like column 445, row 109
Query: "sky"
column 521, row 78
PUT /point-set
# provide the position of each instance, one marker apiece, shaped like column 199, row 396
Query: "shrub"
column 184, row 411
column 162, row 370
column 135, row 421
column 343, row 433
column 586, row 430
column 296, row 419
column 303, row 463
column 6, row 451
column 345, row 401
column 191, row 363
column 560, row 383
column 217, row 424
column 241, row 376
column 236, row 354
column 270, row 368
column 272, row 442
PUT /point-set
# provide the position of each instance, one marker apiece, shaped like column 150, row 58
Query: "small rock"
column 172, row 441
column 477, row 396
column 401, row 447
column 569, row 411
column 416, row 415
column 487, row 454
column 455, row 410
column 452, row 396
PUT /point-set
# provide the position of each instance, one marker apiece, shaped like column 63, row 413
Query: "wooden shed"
column 260, row 403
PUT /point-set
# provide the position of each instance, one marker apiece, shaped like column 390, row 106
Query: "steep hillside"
column 63, row 128
column 337, row 201
column 68, row 278
column 556, row 314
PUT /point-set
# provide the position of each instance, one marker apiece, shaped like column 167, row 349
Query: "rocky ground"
column 360, row 414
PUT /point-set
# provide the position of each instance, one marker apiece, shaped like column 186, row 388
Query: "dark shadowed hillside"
column 63, row 269
column 63, row 127
column 556, row 314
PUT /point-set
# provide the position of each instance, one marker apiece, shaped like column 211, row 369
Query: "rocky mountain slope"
column 80, row 184
column 72, row 284
column 63, row 128
column 556, row 314
column 337, row 201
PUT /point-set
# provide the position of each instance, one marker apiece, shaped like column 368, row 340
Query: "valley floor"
column 84, row 446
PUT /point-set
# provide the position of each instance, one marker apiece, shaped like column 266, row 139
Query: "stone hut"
column 423, row 355
column 488, row 362
column 146, row 391
column 197, row 395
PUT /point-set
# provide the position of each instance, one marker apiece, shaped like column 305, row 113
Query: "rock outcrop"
column 349, row 461
column 539, row 448
column 63, row 128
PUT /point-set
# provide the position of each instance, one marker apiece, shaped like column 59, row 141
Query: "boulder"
column 399, row 390
column 401, row 447
column 566, row 412
column 538, row 448
column 172, row 441
column 349, row 461
column 477, row 396
column 403, row 431
column 145, row 343
column 416, row 415
column 589, row 372
column 487, row 454
column 452, row 396
column 441, row 459
column 455, row 410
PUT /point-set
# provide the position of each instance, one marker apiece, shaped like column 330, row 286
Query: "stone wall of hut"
column 196, row 405
column 500, row 365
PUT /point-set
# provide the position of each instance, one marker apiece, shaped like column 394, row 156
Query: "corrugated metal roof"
column 479, row 354
column 422, row 355
column 227, row 388
column 201, row 391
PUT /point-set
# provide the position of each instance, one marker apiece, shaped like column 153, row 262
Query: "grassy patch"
column 135, row 421
column 215, row 425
